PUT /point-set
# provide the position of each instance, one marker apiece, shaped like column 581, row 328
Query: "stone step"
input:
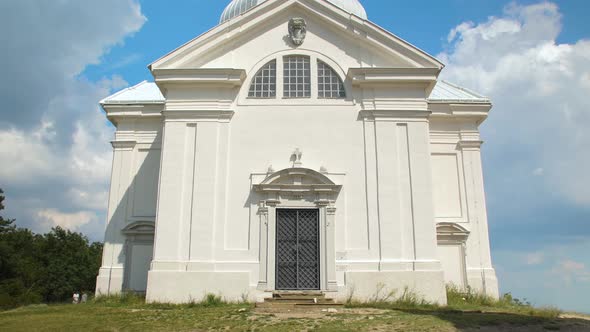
column 281, row 305
column 298, row 295
column 302, row 298
column 299, row 300
column 325, row 304
column 303, row 310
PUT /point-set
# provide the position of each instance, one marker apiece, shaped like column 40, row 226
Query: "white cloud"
column 72, row 221
column 572, row 266
column 53, row 135
column 536, row 153
column 37, row 160
column 571, row 271
column 51, row 42
column 36, row 154
column 534, row 258
column 561, row 271
column 95, row 200
column 540, row 92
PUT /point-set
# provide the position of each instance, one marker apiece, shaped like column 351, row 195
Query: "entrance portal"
column 298, row 249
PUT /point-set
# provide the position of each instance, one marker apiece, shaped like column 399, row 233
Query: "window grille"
column 296, row 77
column 264, row 84
column 329, row 83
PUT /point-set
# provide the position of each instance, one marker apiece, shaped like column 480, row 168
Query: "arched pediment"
column 289, row 174
column 297, row 181
column 451, row 232
column 139, row 228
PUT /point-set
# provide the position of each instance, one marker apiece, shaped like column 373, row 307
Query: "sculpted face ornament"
column 297, row 30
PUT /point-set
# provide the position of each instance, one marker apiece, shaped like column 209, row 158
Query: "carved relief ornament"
column 297, row 30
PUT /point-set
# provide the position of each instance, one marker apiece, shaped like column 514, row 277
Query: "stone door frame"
column 297, row 188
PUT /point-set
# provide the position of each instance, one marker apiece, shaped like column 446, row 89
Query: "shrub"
column 123, row 299
column 459, row 298
column 469, row 298
column 212, row 300
column 13, row 293
column 390, row 300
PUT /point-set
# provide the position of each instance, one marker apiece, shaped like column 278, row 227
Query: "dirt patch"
column 566, row 322
column 531, row 328
column 575, row 316
column 315, row 313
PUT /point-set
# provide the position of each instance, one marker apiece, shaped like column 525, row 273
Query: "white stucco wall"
column 401, row 171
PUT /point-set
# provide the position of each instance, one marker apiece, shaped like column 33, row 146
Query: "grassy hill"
column 133, row 314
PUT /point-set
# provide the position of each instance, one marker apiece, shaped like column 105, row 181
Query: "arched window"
column 297, row 73
column 296, row 76
column 329, row 83
column 264, row 84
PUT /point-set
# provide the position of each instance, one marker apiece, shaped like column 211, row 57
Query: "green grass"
column 457, row 300
column 470, row 300
column 391, row 300
column 404, row 312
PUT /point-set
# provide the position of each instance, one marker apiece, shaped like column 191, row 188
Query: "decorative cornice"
column 466, row 111
column 263, row 209
column 295, row 189
column 472, row 144
column 139, row 228
column 363, row 77
column 451, row 233
column 396, row 115
column 316, row 176
column 198, row 105
column 331, row 210
column 123, row 145
column 185, row 116
column 133, row 109
column 393, row 104
column 117, row 112
column 217, row 77
column 317, row 183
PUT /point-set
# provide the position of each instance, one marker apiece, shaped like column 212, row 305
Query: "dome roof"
column 238, row 7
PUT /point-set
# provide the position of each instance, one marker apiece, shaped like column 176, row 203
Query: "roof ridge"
column 144, row 92
column 471, row 92
column 120, row 92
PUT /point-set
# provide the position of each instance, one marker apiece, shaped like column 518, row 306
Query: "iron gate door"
column 298, row 250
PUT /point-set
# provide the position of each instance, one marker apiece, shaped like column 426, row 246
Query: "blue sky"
column 531, row 57
column 171, row 24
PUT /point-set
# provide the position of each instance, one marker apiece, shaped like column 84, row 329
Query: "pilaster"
column 191, row 187
column 191, row 197
column 405, row 204
column 480, row 271
column 263, row 247
column 331, row 249
column 111, row 273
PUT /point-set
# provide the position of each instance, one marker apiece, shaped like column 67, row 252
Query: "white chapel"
column 296, row 146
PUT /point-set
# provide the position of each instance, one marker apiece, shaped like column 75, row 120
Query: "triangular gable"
column 365, row 31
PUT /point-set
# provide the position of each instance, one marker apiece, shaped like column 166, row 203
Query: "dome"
column 238, row 7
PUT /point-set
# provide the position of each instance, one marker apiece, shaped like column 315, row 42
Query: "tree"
column 70, row 264
column 49, row 267
column 1, row 199
column 18, row 266
column 5, row 224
